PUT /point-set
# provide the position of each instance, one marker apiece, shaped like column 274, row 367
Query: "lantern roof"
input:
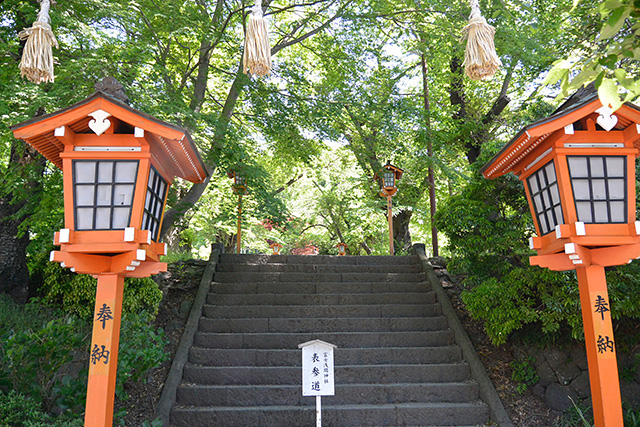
column 172, row 144
column 584, row 103
column 396, row 170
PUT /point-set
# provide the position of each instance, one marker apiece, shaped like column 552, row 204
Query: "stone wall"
column 564, row 376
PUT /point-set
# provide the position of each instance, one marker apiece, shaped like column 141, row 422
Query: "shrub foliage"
column 488, row 225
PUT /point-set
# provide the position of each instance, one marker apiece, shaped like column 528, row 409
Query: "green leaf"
column 614, row 23
column 608, row 94
column 557, row 72
column 598, row 81
column 612, row 4
column 585, row 76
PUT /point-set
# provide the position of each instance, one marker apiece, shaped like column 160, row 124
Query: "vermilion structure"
column 118, row 164
column 578, row 169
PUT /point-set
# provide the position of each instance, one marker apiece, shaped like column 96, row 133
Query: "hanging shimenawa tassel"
column 37, row 58
column 480, row 58
column 257, row 52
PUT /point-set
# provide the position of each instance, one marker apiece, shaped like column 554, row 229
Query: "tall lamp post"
column 239, row 188
column 389, row 175
column 578, row 167
column 117, row 165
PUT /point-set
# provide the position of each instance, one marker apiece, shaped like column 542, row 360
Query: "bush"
column 524, row 373
column 488, row 225
column 17, row 410
column 141, row 349
column 35, row 355
column 76, row 293
column 44, row 354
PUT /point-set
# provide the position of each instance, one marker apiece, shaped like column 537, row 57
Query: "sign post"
column 317, row 372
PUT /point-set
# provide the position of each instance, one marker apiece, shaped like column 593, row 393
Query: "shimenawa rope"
column 37, row 58
column 480, row 58
column 257, row 52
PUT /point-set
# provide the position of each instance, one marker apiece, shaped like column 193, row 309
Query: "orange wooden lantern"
column 389, row 176
column 342, row 248
column 239, row 182
column 578, row 169
column 117, row 164
column 276, row 247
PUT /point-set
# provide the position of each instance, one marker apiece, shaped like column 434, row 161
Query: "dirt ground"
column 179, row 286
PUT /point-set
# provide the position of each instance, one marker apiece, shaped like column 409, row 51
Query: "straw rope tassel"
column 37, row 58
column 257, row 52
column 480, row 58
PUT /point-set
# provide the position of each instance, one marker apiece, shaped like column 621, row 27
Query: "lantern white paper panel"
column 103, row 193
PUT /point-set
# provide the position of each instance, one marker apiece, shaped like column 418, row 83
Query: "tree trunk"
column 401, row 235
column 13, row 241
column 196, row 190
column 430, row 173
column 13, row 255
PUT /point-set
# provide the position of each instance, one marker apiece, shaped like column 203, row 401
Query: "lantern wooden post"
column 390, row 218
column 388, row 177
column 601, row 352
column 103, row 354
column 239, row 235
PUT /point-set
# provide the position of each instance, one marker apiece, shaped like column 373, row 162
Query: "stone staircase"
column 396, row 361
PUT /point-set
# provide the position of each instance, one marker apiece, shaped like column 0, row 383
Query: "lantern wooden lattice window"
column 103, row 193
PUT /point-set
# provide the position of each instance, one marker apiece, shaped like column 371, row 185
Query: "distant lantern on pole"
column 117, row 165
column 342, row 248
column 389, row 175
column 239, row 188
column 578, row 167
column 276, row 247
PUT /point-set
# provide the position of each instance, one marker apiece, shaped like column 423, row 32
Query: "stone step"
column 347, row 356
column 312, row 325
column 318, row 259
column 321, row 311
column 322, row 299
column 256, row 277
column 345, row 394
column 344, row 374
column 318, row 287
column 317, row 268
column 402, row 414
column 341, row 339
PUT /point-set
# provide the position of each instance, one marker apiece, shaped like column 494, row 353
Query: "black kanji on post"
column 98, row 354
column 315, row 357
column 602, row 306
column 604, row 344
column 104, row 314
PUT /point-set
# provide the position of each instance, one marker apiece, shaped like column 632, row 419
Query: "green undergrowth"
column 44, row 350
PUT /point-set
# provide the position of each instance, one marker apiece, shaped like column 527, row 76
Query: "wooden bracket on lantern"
column 579, row 256
column 129, row 264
